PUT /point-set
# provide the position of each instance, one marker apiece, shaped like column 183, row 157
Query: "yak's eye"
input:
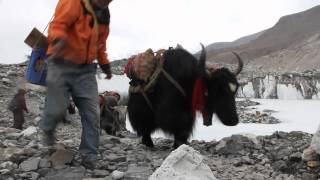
column 233, row 87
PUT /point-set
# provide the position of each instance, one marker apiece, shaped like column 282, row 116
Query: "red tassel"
column 198, row 97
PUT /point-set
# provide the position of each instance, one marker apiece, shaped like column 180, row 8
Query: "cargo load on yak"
column 144, row 69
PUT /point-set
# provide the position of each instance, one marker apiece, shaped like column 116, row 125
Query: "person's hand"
column 107, row 70
column 58, row 46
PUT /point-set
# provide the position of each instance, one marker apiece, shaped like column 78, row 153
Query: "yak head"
column 220, row 88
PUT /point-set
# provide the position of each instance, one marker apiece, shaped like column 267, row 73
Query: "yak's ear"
column 202, row 62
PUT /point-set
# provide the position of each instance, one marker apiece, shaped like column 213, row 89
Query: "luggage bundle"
column 37, row 67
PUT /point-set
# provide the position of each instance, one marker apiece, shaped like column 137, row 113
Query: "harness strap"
column 166, row 74
column 147, row 100
column 174, row 82
column 89, row 8
column 149, row 85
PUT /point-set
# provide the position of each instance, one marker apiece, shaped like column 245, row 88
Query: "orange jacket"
column 83, row 43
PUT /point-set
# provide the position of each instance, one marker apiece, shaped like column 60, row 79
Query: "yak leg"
column 175, row 118
column 183, row 132
column 146, row 131
column 146, row 140
column 141, row 118
column 180, row 139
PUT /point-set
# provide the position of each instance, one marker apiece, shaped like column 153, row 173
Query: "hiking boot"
column 89, row 161
column 47, row 138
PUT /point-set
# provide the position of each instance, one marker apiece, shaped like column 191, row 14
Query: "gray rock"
column 5, row 171
column 66, row 174
column 117, row 174
column 307, row 176
column 8, row 165
column 61, row 157
column 135, row 172
column 235, row 144
column 100, row 173
column 30, row 164
column 296, row 157
column 44, row 163
column 29, row 175
column 280, row 165
column 115, row 158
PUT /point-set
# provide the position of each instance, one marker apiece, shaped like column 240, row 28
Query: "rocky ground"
column 277, row 156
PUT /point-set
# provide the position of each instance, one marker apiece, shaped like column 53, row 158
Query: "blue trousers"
column 65, row 79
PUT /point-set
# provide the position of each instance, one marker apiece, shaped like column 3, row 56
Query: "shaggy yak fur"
column 171, row 111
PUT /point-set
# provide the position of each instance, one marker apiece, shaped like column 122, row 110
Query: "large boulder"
column 184, row 164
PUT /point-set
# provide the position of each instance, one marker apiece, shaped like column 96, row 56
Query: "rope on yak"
column 174, row 82
column 148, row 101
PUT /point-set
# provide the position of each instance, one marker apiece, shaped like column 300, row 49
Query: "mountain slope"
column 238, row 42
column 292, row 42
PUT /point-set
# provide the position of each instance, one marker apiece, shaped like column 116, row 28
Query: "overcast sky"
column 139, row 24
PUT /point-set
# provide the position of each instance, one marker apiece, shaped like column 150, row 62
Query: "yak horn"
column 240, row 64
column 202, row 61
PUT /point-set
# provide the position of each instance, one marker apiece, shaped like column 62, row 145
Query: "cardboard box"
column 36, row 39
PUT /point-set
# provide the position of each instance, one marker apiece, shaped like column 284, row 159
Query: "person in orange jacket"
column 77, row 37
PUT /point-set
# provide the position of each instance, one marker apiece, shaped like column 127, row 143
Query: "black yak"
column 170, row 106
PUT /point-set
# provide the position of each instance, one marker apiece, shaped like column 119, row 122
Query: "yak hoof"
column 147, row 141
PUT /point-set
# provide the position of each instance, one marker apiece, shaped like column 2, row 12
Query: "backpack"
column 12, row 105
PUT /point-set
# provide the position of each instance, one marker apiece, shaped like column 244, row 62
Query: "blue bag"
column 37, row 67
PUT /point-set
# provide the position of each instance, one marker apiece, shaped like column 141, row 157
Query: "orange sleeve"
column 102, row 47
column 66, row 13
